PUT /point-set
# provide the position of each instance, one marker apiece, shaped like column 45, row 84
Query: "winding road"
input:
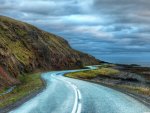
column 67, row 95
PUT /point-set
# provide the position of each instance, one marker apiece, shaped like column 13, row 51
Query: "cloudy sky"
column 99, row 27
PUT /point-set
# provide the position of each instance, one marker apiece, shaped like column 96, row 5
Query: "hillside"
column 25, row 48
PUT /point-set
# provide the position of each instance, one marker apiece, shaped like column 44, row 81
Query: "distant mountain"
column 25, row 48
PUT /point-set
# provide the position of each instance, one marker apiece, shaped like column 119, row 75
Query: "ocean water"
column 141, row 58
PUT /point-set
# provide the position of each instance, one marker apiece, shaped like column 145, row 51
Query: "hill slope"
column 25, row 48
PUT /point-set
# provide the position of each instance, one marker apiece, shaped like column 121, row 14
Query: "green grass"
column 21, row 53
column 106, row 65
column 93, row 73
column 83, row 74
column 30, row 84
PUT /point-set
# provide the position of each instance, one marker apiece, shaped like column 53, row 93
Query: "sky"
column 98, row 27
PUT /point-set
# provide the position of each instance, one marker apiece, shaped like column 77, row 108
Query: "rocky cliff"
column 25, row 48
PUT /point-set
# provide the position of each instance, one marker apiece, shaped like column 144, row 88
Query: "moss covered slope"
column 25, row 48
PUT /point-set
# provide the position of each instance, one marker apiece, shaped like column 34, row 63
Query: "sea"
column 140, row 58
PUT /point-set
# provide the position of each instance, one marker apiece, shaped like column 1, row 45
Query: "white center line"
column 79, row 94
column 77, row 102
column 79, row 108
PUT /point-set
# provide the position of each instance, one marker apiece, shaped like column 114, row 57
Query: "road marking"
column 79, row 94
column 79, row 108
column 77, row 102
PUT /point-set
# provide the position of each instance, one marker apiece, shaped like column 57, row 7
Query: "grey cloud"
column 103, row 25
column 128, row 11
column 42, row 7
column 50, row 8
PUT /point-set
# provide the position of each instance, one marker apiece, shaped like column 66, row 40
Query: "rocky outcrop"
column 25, row 48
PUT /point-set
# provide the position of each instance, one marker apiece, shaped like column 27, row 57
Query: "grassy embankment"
column 93, row 73
column 106, row 70
column 30, row 84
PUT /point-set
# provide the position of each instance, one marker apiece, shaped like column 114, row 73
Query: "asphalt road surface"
column 66, row 95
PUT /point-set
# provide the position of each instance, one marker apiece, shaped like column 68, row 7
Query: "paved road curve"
column 66, row 95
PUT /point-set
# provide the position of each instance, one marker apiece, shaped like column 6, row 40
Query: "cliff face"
column 25, row 48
